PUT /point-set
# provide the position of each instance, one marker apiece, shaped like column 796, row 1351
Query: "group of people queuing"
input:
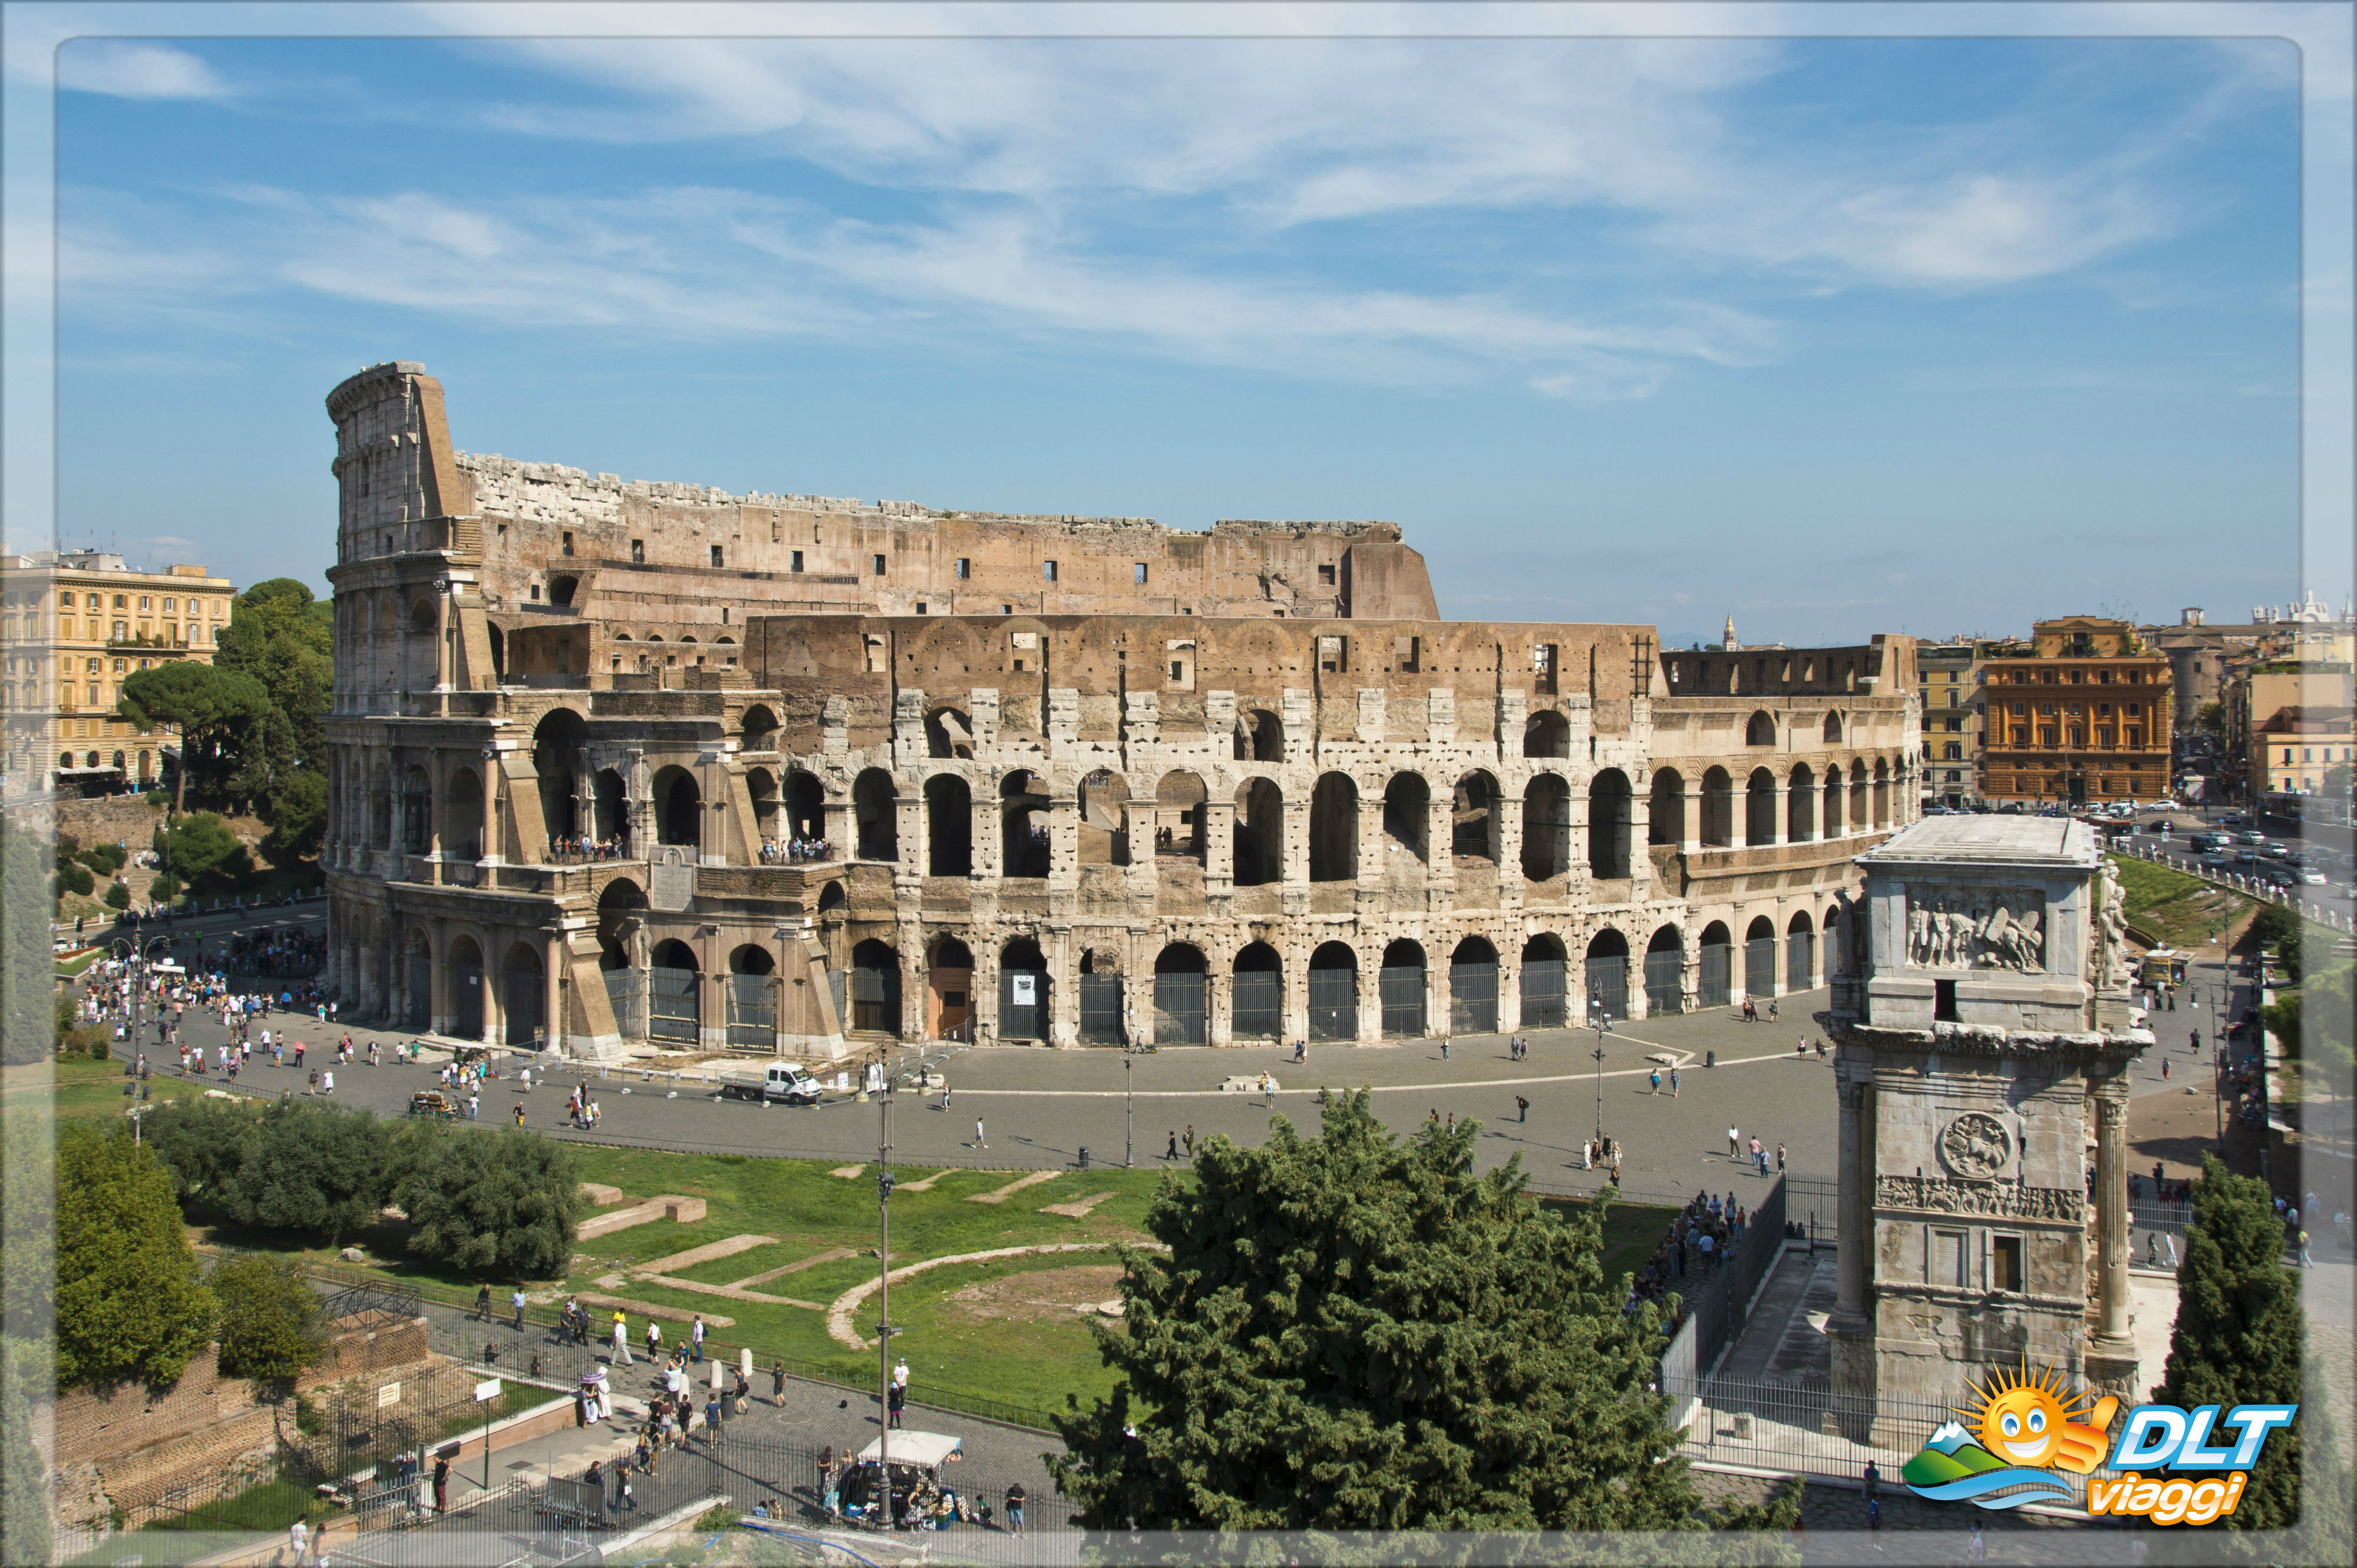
column 795, row 851
column 573, row 848
column 1698, row 1242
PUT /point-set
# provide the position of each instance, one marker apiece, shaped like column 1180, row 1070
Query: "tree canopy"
column 1358, row 1333
column 283, row 636
column 212, row 706
column 505, row 1205
column 200, row 847
column 132, row 1305
column 272, row 1323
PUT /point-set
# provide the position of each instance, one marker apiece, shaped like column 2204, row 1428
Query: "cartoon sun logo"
column 2031, row 1420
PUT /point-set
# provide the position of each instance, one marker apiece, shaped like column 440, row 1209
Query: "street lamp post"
column 884, row 1297
column 1598, row 1019
column 1129, row 1108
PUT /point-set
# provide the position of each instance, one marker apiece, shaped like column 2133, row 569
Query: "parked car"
column 2250, row 835
column 783, row 1081
column 2310, row 877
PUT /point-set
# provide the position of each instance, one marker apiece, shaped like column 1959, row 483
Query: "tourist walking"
column 979, row 1141
column 1521, row 1109
column 1673, row 1083
column 1733, row 1143
column 1657, row 1080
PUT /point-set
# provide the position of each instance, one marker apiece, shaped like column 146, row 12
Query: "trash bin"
column 1084, row 1156
column 1710, row 1058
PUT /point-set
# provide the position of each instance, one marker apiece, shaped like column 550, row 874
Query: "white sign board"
column 1026, row 989
column 489, row 1389
column 390, row 1395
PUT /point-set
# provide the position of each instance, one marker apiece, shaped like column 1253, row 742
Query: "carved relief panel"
column 1977, row 928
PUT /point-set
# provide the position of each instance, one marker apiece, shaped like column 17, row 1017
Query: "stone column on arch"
column 1640, row 857
column 1370, row 978
column 1219, row 842
column 1851, row 1325
column 2112, row 1342
column 983, row 807
column 1510, row 984
column 1062, row 955
column 1779, row 826
column 1064, row 843
column 1690, row 826
column 556, row 965
column 1439, row 832
column 1294, row 957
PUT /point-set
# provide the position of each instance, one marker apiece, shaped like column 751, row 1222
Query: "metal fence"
column 1807, row 1429
column 1713, row 1299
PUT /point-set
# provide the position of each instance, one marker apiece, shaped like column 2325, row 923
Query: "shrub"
column 75, row 877
column 132, row 1305
column 272, row 1323
column 164, row 888
column 118, row 896
column 504, row 1206
column 106, row 859
column 311, row 1167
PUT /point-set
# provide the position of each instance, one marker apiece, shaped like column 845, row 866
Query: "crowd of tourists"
column 277, row 952
column 572, row 849
column 1698, row 1243
column 796, row 851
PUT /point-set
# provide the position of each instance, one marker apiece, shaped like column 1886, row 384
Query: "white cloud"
column 123, row 68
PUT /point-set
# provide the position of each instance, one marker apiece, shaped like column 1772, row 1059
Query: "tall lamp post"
column 1130, row 1108
column 884, row 1298
column 1598, row 1019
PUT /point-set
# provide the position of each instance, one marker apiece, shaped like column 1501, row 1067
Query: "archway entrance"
column 949, row 982
column 1022, row 991
column 1181, row 1003
column 1473, row 988
column 1666, row 981
column 1256, row 1005
column 1717, row 965
column 419, row 1011
column 1800, row 953
column 675, row 1015
column 1334, row 993
column 1101, row 1021
column 466, row 972
column 1607, row 975
column 1545, row 979
column 752, row 999
column 1400, row 984
column 1759, row 960
column 523, row 994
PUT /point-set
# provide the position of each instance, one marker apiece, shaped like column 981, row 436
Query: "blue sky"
column 1839, row 335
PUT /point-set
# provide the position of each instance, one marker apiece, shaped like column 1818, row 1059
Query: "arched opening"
column 1545, row 983
column 1022, row 991
column 1181, row 804
column 1833, row 823
column 463, row 968
column 1334, row 992
column 949, row 826
column 679, row 808
column 1608, row 825
column 874, row 985
column 1833, row 730
column 1473, row 988
column 1860, row 818
column 1608, row 976
column 758, row 729
column 752, row 999
column 1407, row 812
column 806, row 815
column 1475, row 829
column 1717, row 808
column 523, row 992
column 1665, row 818
column 416, row 809
column 1181, row 1015
column 1717, row 978
column 1666, row 979
column 1546, row 828
column 1761, row 730
column 1759, row 809
column 421, row 618
column 1400, row 984
column 832, row 899
column 1801, row 805
column 561, row 591
column 1881, row 794
column 1334, row 828
column 1260, row 736
column 948, row 734
column 1800, row 953
column 1104, row 819
column 462, row 814
column 418, row 1012
column 613, row 809
column 1760, row 959
column 498, row 649
column 761, row 785
column 1256, row 1007
column 1548, row 734
column 1023, row 818
column 674, row 996
column 1259, row 833
column 876, row 813
column 556, row 742
column 1104, row 1021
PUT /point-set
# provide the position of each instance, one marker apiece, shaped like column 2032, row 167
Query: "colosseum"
column 621, row 767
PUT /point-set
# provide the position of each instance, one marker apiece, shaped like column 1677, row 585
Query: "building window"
column 168, row 603
column 878, row 561
column 1006, row 609
column 1325, row 577
column 1950, row 1262
column 715, row 555
column 796, row 564
column 566, row 547
column 535, row 593
column 1048, row 570
column 2005, row 1264
column 1138, row 573
column 2307, row 753
column 964, row 568
column 1952, row 699
column 638, row 552
column 2286, row 750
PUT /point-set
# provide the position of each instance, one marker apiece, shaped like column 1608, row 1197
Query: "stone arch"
column 1259, row 832
column 1801, row 805
column 1760, row 729
column 872, row 990
column 1023, row 818
column 1800, row 952
column 875, row 814
column 1256, row 1008
column 620, row 906
column 1759, row 809
column 1759, row 958
column 831, row 897
column 1833, row 731
column 1259, row 736
column 556, row 742
column 1832, row 826
column 421, row 616
column 1105, row 818
column 1182, row 996
column 1548, row 734
column 1607, row 975
column 613, row 805
column 1545, row 983
column 1408, row 813
column 1717, row 808
column 949, row 826
column 1402, row 987
column 523, row 993
column 679, row 808
column 1717, row 953
column 1666, row 819
column 758, row 731
column 462, row 964
column 1861, row 814
column 1881, row 793
column 761, row 787
column 1334, row 992
column 416, row 809
column 805, row 806
column 462, row 813
column 1546, row 828
column 1609, row 821
column 1473, row 987
column 674, row 994
column 1665, row 973
column 949, row 732
column 1476, row 825
column 1182, row 805
column 1023, row 973
column 1334, row 828
column 561, row 591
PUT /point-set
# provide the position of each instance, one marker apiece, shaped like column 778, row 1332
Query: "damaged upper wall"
column 668, row 559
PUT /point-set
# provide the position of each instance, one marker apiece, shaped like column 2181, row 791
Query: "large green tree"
column 505, row 1205
column 201, row 848
column 312, row 1167
column 217, row 711
column 131, row 1304
column 273, row 1324
column 1358, row 1333
column 202, row 1142
column 284, row 637
column 2240, row 1337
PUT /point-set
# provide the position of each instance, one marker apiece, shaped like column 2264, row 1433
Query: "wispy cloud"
column 125, row 68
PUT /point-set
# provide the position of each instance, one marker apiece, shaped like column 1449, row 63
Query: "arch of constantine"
column 617, row 765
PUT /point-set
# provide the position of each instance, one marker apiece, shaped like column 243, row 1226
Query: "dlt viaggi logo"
column 2029, row 1426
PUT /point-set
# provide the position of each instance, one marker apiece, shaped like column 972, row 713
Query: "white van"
column 783, row 1081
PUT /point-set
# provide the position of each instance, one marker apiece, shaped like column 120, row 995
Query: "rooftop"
column 1991, row 840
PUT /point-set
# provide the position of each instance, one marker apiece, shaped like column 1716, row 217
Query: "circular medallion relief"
column 1976, row 1146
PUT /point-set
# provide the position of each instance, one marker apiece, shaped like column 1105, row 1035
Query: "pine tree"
column 1358, row 1333
column 2240, row 1337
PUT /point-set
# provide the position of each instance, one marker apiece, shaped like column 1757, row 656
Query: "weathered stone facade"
column 1198, row 789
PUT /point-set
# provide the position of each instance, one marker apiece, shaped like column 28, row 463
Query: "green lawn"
column 79, row 1087
column 2181, row 910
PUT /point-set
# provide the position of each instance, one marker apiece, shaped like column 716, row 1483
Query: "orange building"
column 2083, row 716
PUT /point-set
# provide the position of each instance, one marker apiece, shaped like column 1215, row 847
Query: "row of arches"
column 1795, row 807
